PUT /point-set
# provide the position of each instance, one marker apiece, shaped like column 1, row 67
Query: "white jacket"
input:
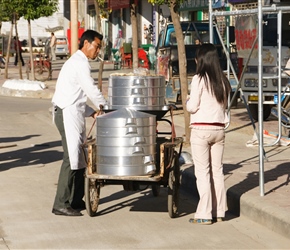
column 203, row 106
column 73, row 86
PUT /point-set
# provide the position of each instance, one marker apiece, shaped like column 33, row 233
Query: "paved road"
column 126, row 220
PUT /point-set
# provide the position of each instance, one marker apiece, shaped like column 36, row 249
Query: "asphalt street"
column 242, row 165
column 29, row 167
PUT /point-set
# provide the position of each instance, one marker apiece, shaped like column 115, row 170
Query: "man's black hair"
column 90, row 36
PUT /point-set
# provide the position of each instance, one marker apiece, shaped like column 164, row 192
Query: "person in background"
column 74, row 85
column 52, row 46
column 18, row 51
column 207, row 107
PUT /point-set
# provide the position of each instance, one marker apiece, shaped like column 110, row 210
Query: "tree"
column 174, row 7
column 98, row 5
column 133, row 14
column 8, row 13
column 34, row 9
column 31, row 10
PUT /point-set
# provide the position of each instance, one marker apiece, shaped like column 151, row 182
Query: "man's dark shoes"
column 66, row 211
column 79, row 206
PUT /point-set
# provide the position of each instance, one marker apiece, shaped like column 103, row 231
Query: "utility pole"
column 74, row 25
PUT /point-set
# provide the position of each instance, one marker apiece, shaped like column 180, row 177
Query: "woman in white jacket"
column 207, row 105
column 74, row 85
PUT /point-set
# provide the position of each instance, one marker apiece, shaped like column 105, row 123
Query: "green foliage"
column 160, row 2
column 104, row 13
column 101, row 3
column 29, row 9
column 7, row 8
column 34, row 9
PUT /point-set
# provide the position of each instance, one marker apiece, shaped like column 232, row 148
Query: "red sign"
column 119, row 4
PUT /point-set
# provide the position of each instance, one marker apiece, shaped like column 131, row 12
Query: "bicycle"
column 2, row 61
column 42, row 68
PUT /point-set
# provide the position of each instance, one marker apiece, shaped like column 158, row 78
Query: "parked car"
column 61, row 49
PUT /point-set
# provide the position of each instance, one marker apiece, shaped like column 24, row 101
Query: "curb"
column 40, row 94
column 248, row 206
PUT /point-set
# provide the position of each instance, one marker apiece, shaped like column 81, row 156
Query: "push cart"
column 167, row 174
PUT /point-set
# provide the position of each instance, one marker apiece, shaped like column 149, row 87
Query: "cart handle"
column 172, row 125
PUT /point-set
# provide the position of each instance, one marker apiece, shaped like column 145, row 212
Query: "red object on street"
column 143, row 59
column 68, row 34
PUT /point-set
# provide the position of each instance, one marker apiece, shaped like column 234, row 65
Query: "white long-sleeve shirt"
column 73, row 86
column 203, row 106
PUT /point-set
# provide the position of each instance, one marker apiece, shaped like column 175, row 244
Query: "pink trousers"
column 207, row 146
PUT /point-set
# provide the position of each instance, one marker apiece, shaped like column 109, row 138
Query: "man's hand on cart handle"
column 97, row 113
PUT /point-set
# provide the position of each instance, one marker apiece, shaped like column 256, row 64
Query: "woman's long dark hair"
column 208, row 67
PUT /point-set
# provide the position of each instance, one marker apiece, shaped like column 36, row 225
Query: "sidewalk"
column 241, row 163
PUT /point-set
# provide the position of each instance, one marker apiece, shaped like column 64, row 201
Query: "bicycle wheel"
column 41, row 72
column 2, row 62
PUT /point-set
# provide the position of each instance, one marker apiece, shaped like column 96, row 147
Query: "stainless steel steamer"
column 137, row 92
column 126, row 141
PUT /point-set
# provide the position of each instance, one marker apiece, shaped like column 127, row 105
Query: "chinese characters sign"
column 246, row 32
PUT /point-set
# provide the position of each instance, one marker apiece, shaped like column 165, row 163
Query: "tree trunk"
column 17, row 51
column 99, row 29
column 182, row 65
column 8, row 51
column 30, row 51
column 98, row 16
column 133, row 12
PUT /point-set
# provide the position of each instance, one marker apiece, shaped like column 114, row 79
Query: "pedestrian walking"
column 207, row 106
column 74, row 85
column 52, row 46
column 18, row 51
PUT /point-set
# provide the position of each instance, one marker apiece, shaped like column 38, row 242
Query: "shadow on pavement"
column 30, row 156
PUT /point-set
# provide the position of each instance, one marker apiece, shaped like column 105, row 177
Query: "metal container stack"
column 126, row 143
column 139, row 92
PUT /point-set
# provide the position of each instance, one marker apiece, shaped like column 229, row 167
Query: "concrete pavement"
column 241, row 163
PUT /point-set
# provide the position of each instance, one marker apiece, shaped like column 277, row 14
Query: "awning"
column 119, row 4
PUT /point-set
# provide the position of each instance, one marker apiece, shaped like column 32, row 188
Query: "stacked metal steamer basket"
column 126, row 134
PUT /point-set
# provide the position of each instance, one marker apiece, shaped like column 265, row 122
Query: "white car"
column 61, row 49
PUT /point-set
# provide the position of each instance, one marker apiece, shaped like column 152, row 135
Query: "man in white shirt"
column 73, row 86
column 52, row 46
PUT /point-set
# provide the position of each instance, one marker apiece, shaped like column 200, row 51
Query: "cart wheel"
column 92, row 196
column 155, row 189
column 41, row 73
column 173, row 188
